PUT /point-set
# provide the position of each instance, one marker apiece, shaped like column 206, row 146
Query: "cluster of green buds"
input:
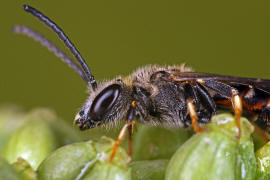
column 40, row 146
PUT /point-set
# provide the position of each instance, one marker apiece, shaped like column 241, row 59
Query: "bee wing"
column 254, row 92
column 262, row 84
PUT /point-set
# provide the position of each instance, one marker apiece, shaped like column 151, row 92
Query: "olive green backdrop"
column 115, row 37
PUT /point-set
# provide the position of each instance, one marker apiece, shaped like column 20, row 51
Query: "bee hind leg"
column 237, row 107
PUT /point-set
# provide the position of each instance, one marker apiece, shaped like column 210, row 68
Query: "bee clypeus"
column 171, row 96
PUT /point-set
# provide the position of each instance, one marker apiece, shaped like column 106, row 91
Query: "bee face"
column 106, row 104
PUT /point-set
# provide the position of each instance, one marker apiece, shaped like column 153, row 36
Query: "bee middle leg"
column 192, row 102
column 230, row 93
column 197, row 97
column 193, row 116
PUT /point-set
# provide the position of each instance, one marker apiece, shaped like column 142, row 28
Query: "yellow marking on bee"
column 200, row 81
column 133, row 104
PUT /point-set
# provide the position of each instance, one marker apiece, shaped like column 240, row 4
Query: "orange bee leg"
column 237, row 107
column 127, row 127
column 193, row 116
column 119, row 140
column 130, row 133
column 229, row 92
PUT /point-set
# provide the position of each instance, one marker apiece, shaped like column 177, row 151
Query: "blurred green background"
column 115, row 37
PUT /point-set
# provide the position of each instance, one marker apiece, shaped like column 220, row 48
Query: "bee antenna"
column 65, row 39
column 51, row 47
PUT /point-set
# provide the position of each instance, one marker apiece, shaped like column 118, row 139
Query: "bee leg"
column 119, row 140
column 237, row 107
column 130, row 133
column 129, row 122
column 193, row 116
column 230, row 93
column 192, row 104
column 206, row 100
column 263, row 123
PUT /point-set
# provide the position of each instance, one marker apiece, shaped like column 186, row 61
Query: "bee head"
column 106, row 104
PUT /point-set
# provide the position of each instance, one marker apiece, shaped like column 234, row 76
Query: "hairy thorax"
column 159, row 102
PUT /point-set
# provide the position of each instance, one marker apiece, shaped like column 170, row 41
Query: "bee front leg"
column 130, row 133
column 127, row 127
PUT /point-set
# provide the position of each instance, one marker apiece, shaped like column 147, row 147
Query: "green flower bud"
column 263, row 162
column 10, row 120
column 85, row 161
column 24, row 169
column 63, row 132
column 216, row 153
column 149, row 170
column 32, row 136
column 7, row 171
column 32, row 141
column 157, row 142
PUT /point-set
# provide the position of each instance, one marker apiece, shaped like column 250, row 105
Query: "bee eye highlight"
column 104, row 102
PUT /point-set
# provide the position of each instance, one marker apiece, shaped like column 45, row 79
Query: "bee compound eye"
column 104, row 101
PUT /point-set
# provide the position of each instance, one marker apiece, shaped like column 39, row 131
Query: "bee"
column 170, row 96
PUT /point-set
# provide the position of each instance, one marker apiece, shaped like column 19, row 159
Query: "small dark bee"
column 171, row 96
